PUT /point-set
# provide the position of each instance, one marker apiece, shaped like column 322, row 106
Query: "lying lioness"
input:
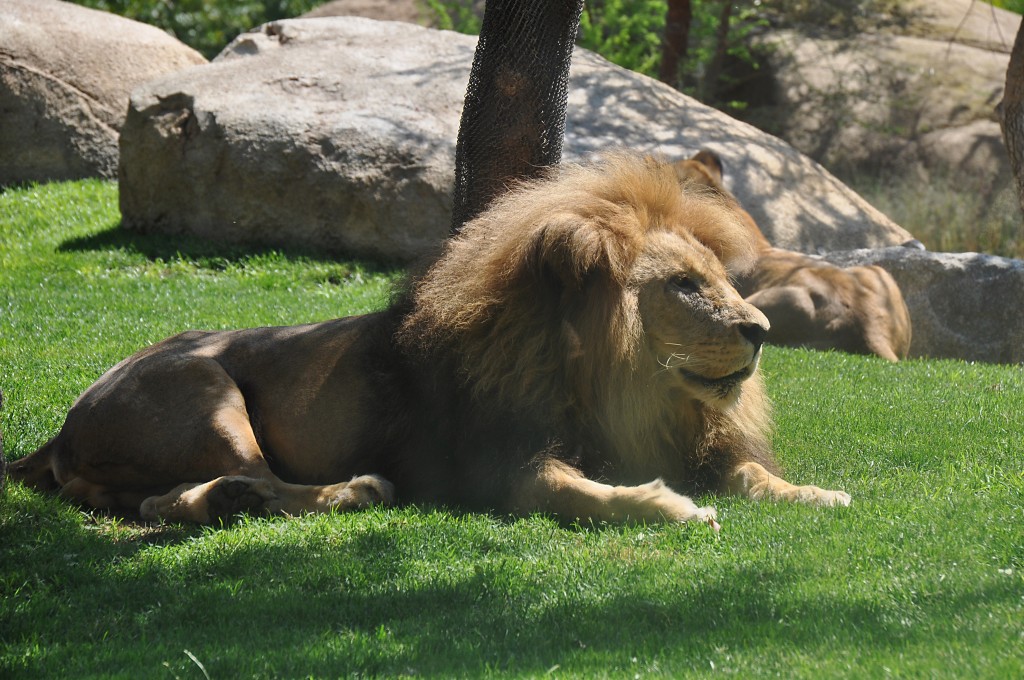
column 583, row 328
column 811, row 303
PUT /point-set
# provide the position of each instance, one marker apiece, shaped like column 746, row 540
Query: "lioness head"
column 596, row 284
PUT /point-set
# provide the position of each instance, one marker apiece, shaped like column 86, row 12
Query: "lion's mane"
column 535, row 303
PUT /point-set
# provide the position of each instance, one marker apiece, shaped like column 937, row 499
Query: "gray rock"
column 65, row 75
column 965, row 22
column 331, row 133
column 962, row 305
column 797, row 204
column 339, row 133
column 917, row 96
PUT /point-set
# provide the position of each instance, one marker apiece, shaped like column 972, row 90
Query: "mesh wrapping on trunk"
column 514, row 117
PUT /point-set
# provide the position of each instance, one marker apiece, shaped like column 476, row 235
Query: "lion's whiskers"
column 674, row 360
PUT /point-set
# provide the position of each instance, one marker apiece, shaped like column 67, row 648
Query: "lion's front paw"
column 825, row 498
column 669, row 505
column 708, row 515
column 834, row 498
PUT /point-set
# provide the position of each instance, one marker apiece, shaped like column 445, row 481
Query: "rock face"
column 918, row 93
column 797, row 203
column 962, row 305
column 334, row 133
column 65, row 75
column 339, row 134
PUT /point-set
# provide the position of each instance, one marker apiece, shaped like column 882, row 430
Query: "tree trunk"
column 1011, row 113
column 513, row 121
column 677, row 40
column 714, row 71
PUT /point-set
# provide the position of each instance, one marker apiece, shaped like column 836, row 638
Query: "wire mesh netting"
column 513, row 122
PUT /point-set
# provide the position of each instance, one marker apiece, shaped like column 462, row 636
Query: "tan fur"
column 582, row 329
column 812, row 303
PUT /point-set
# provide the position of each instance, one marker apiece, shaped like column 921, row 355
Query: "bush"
column 630, row 33
column 1009, row 5
column 956, row 213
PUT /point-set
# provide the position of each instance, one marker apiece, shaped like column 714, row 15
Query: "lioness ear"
column 704, row 169
column 572, row 248
column 712, row 162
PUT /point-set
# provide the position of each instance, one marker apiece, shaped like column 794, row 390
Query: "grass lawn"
column 922, row 576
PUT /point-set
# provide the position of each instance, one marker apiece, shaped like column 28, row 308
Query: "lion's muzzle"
column 755, row 333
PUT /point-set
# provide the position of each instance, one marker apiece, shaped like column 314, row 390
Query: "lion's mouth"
column 725, row 384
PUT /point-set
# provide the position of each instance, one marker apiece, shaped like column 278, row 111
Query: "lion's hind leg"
column 753, row 481
column 224, row 497
column 562, row 490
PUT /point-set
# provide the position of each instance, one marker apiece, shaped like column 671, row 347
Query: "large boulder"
column 65, row 75
column 339, row 134
column 329, row 133
column 962, row 305
column 916, row 93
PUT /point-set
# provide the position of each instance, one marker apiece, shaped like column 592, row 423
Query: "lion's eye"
column 683, row 284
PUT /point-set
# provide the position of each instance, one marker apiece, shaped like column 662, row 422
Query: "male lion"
column 581, row 329
column 811, row 303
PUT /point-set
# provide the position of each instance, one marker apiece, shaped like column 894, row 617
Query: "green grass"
column 923, row 576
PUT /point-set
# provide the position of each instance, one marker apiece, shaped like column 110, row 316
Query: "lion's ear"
column 572, row 248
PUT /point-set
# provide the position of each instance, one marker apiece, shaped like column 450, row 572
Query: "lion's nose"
column 755, row 333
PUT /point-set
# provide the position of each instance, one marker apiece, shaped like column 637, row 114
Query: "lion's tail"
column 36, row 469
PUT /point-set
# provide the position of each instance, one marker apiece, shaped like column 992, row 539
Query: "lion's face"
column 580, row 289
column 698, row 329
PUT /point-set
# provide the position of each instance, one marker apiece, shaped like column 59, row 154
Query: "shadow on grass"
column 369, row 599
column 207, row 253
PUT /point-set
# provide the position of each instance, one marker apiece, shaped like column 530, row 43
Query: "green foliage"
column 630, row 33
column 922, row 576
column 456, row 15
column 1010, row 5
column 626, row 32
column 719, row 58
column 206, row 26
